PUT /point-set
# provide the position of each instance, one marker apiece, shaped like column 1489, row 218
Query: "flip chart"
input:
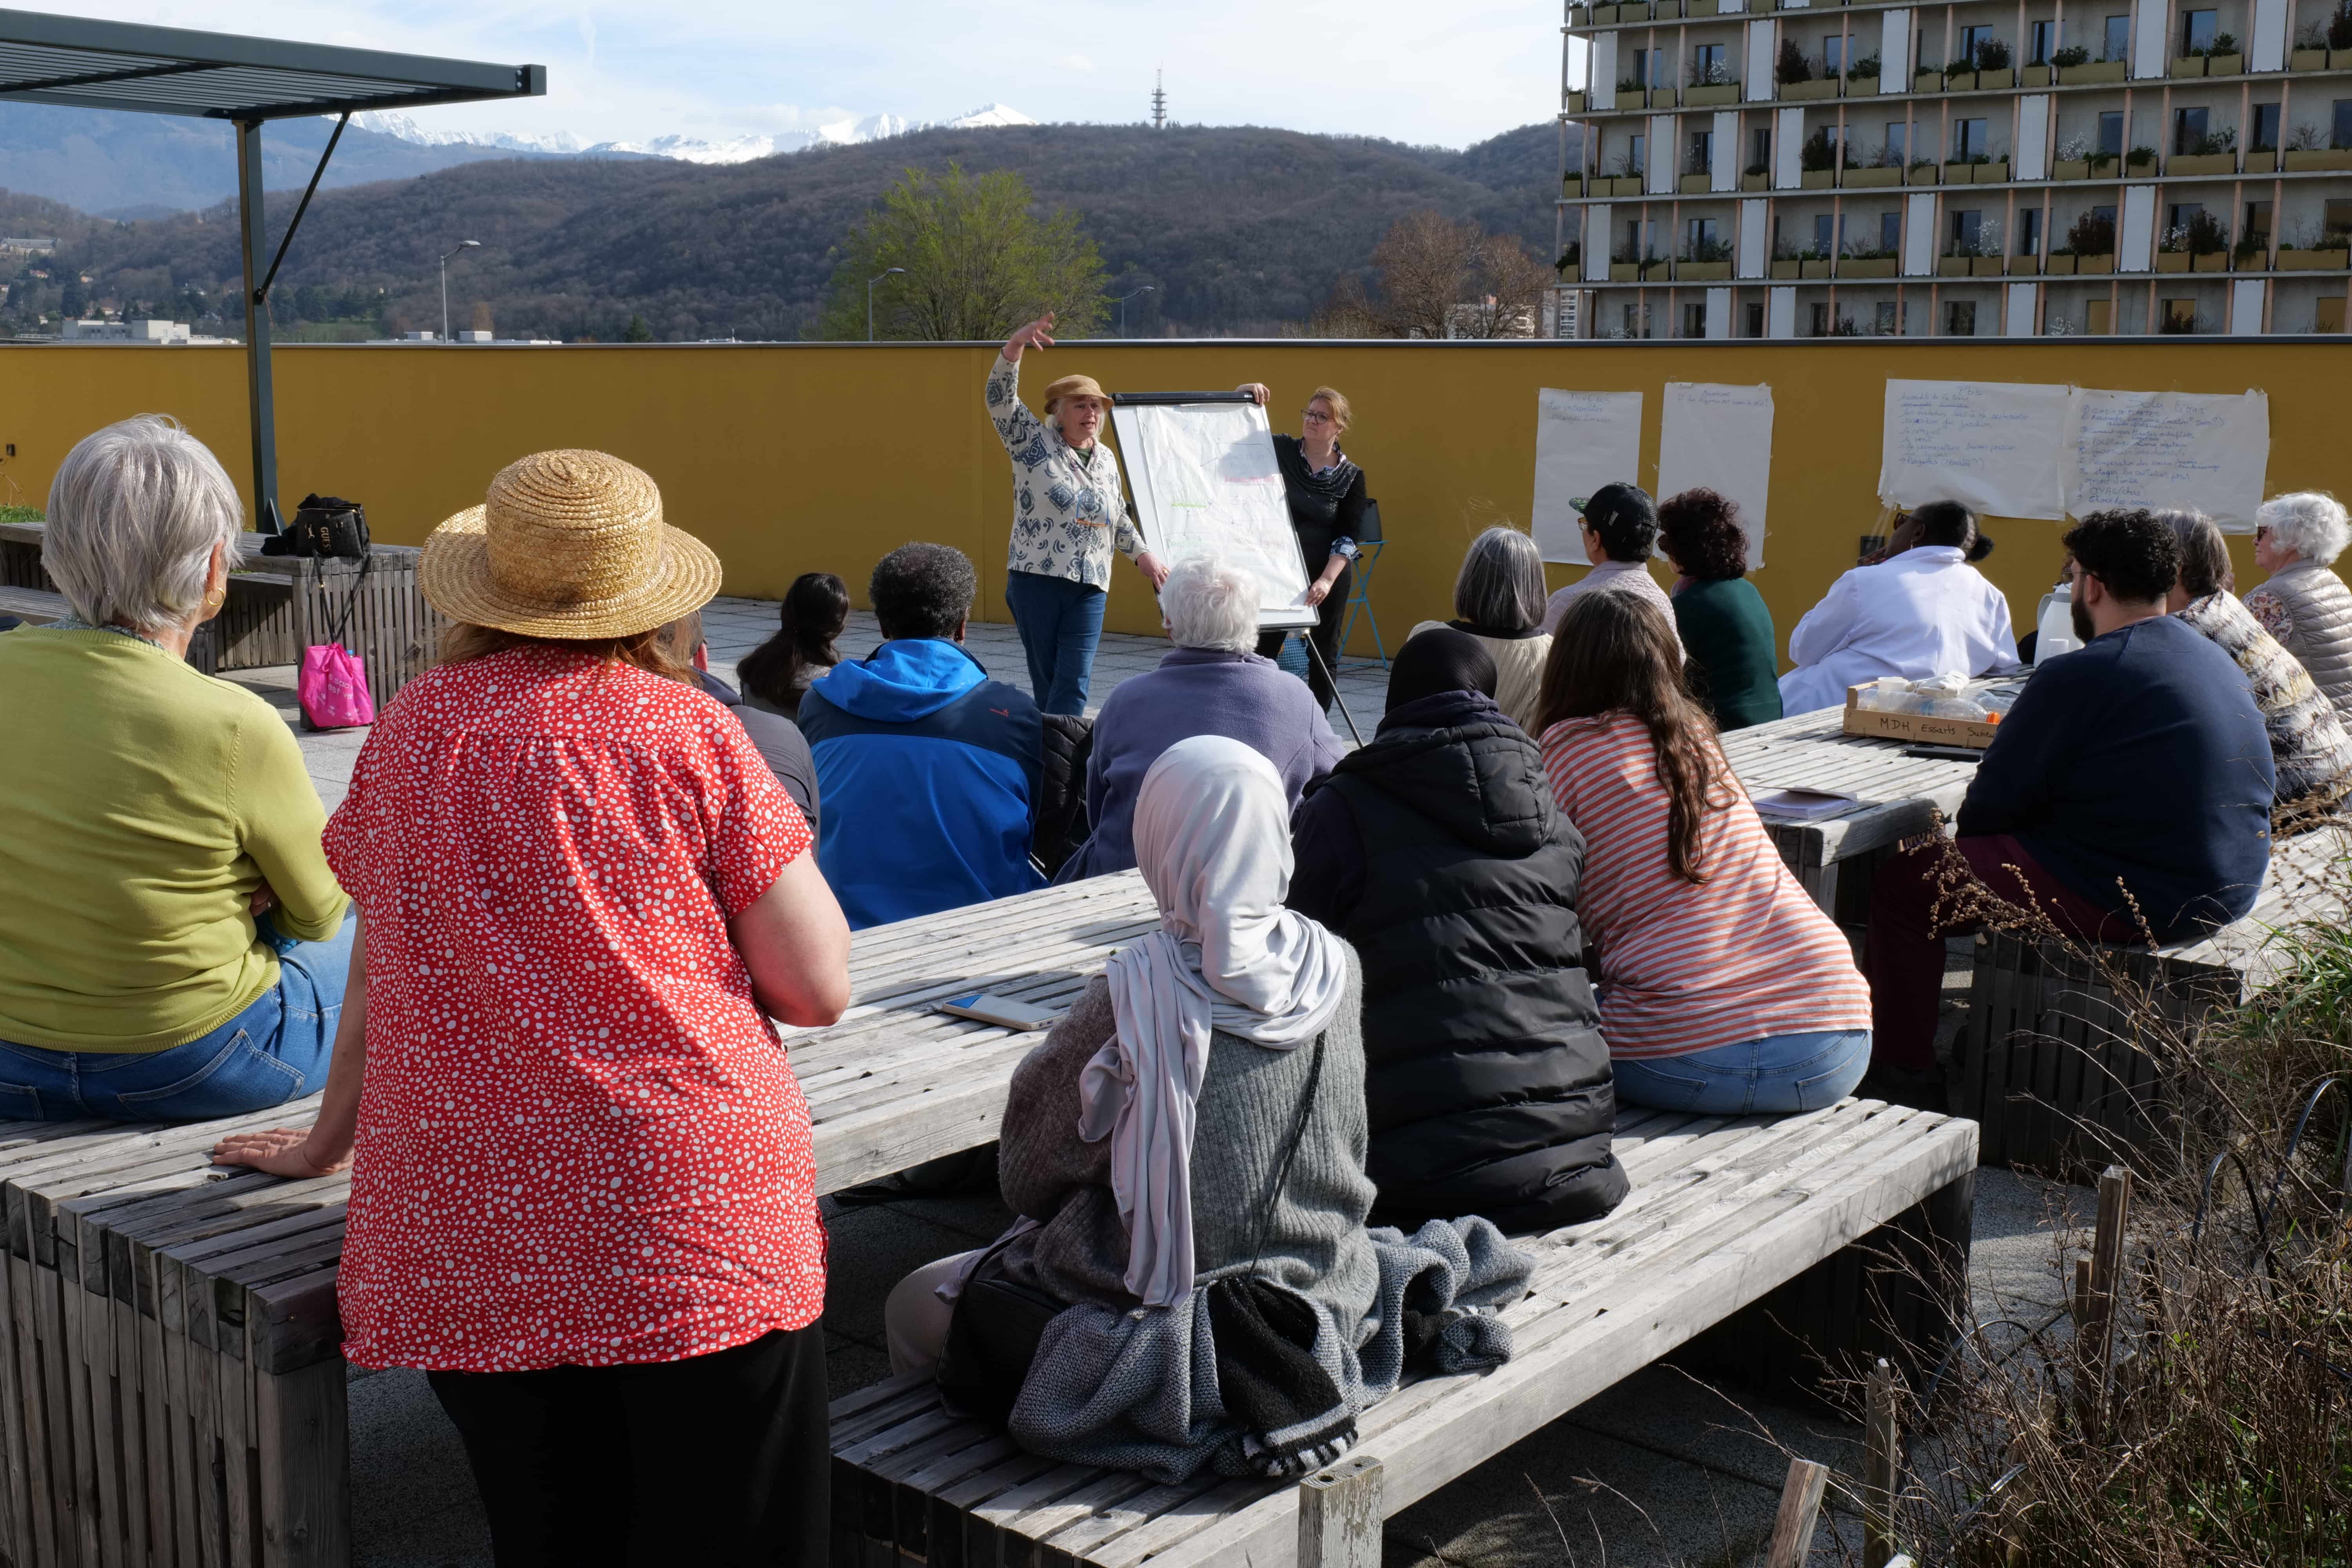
column 2169, row 450
column 1719, row 436
column 1583, row 441
column 1997, row 446
column 1206, row 483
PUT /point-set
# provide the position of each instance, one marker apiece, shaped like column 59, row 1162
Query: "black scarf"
column 1439, row 659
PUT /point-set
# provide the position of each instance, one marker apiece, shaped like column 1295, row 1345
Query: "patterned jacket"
column 1068, row 514
column 2309, row 744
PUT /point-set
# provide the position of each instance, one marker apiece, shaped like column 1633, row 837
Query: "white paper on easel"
column 1997, row 446
column 1719, row 436
column 1583, row 440
column 2169, row 450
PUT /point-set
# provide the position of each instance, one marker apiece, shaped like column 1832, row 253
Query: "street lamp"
column 461, row 244
column 1147, row 289
column 887, row 272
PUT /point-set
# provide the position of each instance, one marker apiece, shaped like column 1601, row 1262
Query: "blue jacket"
column 928, row 771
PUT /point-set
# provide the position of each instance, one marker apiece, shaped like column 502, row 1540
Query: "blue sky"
column 1400, row 69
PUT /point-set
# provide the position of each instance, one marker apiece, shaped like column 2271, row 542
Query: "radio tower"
column 1159, row 101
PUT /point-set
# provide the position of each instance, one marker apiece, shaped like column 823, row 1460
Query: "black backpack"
column 327, row 526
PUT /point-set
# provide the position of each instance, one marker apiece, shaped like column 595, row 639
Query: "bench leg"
column 306, row 1466
column 1339, row 1516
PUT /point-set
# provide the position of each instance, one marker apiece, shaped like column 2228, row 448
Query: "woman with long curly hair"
column 1724, row 989
column 1728, row 644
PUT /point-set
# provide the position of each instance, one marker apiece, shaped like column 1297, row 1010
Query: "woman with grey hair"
column 2309, row 744
column 1209, row 683
column 173, row 944
column 1498, row 598
column 2304, row 604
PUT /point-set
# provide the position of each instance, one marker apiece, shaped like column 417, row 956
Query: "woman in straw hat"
column 583, row 1199
column 1068, row 515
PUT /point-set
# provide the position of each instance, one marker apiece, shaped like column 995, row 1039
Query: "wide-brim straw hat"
column 1075, row 386
column 567, row 544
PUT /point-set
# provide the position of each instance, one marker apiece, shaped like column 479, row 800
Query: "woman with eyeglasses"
column 1325, row 493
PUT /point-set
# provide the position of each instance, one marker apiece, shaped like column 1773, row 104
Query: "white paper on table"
column 1719, row 436
column 1206, row 483
column 2169, row 450
column 1583, row 440
column 1997, row 446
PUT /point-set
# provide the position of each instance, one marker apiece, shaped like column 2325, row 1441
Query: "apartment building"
column 1982, row 168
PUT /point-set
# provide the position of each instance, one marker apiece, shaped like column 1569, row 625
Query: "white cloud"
column 638, row 69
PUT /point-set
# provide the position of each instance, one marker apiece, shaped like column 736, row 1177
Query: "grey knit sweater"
column 1315, row 1242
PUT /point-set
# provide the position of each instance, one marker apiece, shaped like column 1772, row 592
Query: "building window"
column 1971, row 140
column 1890, row 231
column 1694, row 319
column 1759, row 148
column 2044, row 43
column 1637, row 321
column 2336, row 219
column 2180, row 315
column 1968, row 227
column 1834, row 54
column 1898, row 141
column 2266, row 127
column 1960, row 319
column 1701, row 239
column 2197, row 30
column 2111, row 133
column 1972, row 40
column 2029, row 231
column 1707, row 61
column 2105, row 214
column 1638, row 158
column 1820, row 321
column 2257, row 222
column 1889, row 323
column 1825, row 234
column 1700, row 160
column 2181, row 214
column 1755, row 320
column 2189, row 129
column 2116, row 44
column 2343, row 127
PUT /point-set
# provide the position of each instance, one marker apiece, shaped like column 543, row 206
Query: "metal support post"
column 261, row 406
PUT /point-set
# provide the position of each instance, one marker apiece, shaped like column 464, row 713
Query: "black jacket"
column 1437, row 852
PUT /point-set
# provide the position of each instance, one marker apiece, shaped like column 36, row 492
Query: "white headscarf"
column 1213, row 838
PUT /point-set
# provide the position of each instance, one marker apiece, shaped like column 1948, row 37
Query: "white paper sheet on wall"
column 2169, row 450
column 1997, row 446
column 1719, row 436
column 1583, row 441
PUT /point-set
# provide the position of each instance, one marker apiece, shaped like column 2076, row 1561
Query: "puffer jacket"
column 1437, row 852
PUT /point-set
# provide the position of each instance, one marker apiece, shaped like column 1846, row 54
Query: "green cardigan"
column 1730, row 650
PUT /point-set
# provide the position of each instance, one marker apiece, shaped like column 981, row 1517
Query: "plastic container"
column 2056, row 633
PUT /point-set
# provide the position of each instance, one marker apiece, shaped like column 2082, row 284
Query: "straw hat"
column 568, row 544
column 1075, row 386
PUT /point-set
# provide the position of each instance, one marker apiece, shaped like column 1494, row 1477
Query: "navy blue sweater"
column 2140, row 758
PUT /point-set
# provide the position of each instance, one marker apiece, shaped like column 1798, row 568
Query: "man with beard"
column 2127, row 792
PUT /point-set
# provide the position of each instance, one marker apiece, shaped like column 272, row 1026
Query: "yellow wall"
column 793, row 458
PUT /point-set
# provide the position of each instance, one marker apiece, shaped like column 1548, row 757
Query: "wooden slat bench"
column 171, row 1383
column 1765, row 1226
column 1900, row 797
column 37, row 605
column 2050, row 1062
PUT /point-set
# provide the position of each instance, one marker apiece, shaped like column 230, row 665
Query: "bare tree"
column 1508, row 286
column 1424, row 260
column 1438, row 278
column 1347, row 313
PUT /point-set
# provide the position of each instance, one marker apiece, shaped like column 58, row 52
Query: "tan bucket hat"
column 567, row 544
column 1075, row 386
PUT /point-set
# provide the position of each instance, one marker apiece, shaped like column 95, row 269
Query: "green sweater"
column 145, row 802
column 1732, row 654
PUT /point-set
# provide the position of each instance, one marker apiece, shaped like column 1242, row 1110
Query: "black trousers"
column 717, row 1459
column 1324, row 634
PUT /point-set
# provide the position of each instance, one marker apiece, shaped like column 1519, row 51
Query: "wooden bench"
column 171, row 1382
column 37, row 605
column 1900, row 796
column 1843, row 1231
column 2051, row 1063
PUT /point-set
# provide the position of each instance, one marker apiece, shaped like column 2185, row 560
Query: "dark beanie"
column 1439, row 659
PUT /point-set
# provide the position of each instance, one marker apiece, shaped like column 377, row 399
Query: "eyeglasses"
column 1314, row 418
column 2262, row 531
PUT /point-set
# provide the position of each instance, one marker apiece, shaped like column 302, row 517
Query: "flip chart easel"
column 1201, row 469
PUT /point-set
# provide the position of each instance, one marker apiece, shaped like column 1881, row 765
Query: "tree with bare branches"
column 1440, row 277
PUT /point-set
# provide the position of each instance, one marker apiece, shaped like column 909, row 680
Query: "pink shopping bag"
column 333, row 688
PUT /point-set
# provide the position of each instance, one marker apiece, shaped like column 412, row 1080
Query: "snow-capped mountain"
column 692, row 149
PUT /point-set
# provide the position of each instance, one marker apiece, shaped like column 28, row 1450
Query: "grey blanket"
column 1136, row 1390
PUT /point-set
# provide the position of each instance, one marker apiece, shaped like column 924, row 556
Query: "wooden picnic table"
column 172, row 1383
column 1899, row 794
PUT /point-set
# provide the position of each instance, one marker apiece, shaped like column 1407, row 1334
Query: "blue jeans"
column 1060, row 624
column 276, row 1050
column 1776, row 1074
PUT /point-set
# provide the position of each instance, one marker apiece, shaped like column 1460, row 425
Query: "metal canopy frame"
column 83, row 63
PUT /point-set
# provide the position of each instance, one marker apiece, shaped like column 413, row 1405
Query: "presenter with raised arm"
column 1325, row 493
column 1068, row 514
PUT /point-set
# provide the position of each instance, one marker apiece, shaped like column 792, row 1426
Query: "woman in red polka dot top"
column 583, row 1199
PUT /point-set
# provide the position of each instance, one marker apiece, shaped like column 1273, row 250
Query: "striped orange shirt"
column 1685, row 966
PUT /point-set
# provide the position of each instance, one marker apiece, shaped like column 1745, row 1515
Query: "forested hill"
column 1240, row 229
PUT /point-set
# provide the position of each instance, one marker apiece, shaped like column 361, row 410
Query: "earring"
column 217, row 598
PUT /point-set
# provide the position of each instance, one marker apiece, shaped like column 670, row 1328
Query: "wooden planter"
column 1804, row 91
column 1572, row 187
column 2094, row 72
column 2139, row 170
column 1625, row 185
column 2225, row 65
column 2319, row 158
column 1790, row 268
column 1994, row 80
column 2208, row 261
column 1867, row 266
column 1994, row 173
column 2103, row 263
column 1714, row 92
column 1624, row 272
column 2187, row 64
column 2339, row 59
column 1987, row 266
column 1864, row 178
column 1863, row 86
column 2314, row 260
column 2265, row 162
column 1953, row 265
column 1695, row 184
column 2306, row 59
column 2034, row 75
column 2071, row 169
column 1755, row 182
column 1927, row 175
column 2059, row 266
column 1926, row 81
column 1602, row 16
column 1577, row 100
column 1699, row 7
column 1818, row 179
column 1960, row 81
column 2172, row 261
column 1702, row 271
column 1663, row 97
column 1815, row 269
column 1960, row 174
column 2255, row 262
column 2203, row 163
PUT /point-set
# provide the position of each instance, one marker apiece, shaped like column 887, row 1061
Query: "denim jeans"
column 1060, row 624
column 1776, row 1074
column 276, row 1050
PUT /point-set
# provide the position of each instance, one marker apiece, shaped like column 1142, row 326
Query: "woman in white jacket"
column 1925, row 612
